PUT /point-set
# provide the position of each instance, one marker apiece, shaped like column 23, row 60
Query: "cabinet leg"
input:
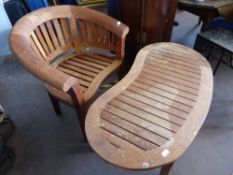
column 165, row 170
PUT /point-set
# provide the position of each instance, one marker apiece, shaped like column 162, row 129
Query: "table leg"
column 165, row 170
column 207, row 18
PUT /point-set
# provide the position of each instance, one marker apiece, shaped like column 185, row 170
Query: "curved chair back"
column 42, row 35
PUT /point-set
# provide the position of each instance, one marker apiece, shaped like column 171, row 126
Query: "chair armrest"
column 22, row 49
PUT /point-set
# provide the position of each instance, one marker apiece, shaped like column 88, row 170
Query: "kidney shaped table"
column 153, row 114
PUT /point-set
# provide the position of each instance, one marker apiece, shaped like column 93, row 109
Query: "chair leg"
column 55, row 104
column 81, row 114
column 219, row 61
column 165, row 170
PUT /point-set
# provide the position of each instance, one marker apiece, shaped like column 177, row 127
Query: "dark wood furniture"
column 63, row 46
column 153, row 114
column 149, row 21
column 218, row 39
column 207, row 10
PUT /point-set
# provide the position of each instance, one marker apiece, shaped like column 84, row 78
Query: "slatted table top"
column 152, row 115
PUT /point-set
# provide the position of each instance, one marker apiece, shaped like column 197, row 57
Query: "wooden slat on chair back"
column 52, row 38
column 56, row 30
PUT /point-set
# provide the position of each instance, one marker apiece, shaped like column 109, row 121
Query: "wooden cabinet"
column 149, row 21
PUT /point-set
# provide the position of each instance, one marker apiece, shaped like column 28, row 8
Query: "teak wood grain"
column 153, row 114
column 68, row 48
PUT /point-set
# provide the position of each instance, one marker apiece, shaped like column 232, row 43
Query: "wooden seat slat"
column 126, row 135
column 101, row 58
column 145, row 115
column 172, row 69
column 145, row 78
column 172, row 65
column 176, row 61
column 176, row 75
column 171, row 82
column 185, row 85
column 94, row 60
column 188, row 66
column 134, row 129
column 119, row 142
column 152, row 110
column 161, row 92
column 83, row 66
column 140, row 122
column 80, row 60
column 156, row 104
column 75, row 73
column 78, row 69
column 159, row 98
column 180, row 57
column 185, row 55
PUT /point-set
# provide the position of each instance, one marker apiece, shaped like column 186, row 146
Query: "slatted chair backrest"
column 56, row 30
column 39, row 37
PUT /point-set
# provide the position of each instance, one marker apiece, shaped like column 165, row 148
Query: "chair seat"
column 90, row 70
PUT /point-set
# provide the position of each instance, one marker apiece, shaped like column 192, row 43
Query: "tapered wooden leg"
column 165, row 170
column 55, row 104
column 81, row 117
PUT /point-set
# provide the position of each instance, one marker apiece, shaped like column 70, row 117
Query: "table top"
column 152, row 115
column 221, row 37
column 215, row 4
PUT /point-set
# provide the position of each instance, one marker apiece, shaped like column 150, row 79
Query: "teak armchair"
column 72, row 49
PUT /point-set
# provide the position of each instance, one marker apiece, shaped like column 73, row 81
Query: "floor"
column 47, row 144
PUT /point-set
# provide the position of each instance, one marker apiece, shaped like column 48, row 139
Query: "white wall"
column 5, row 27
